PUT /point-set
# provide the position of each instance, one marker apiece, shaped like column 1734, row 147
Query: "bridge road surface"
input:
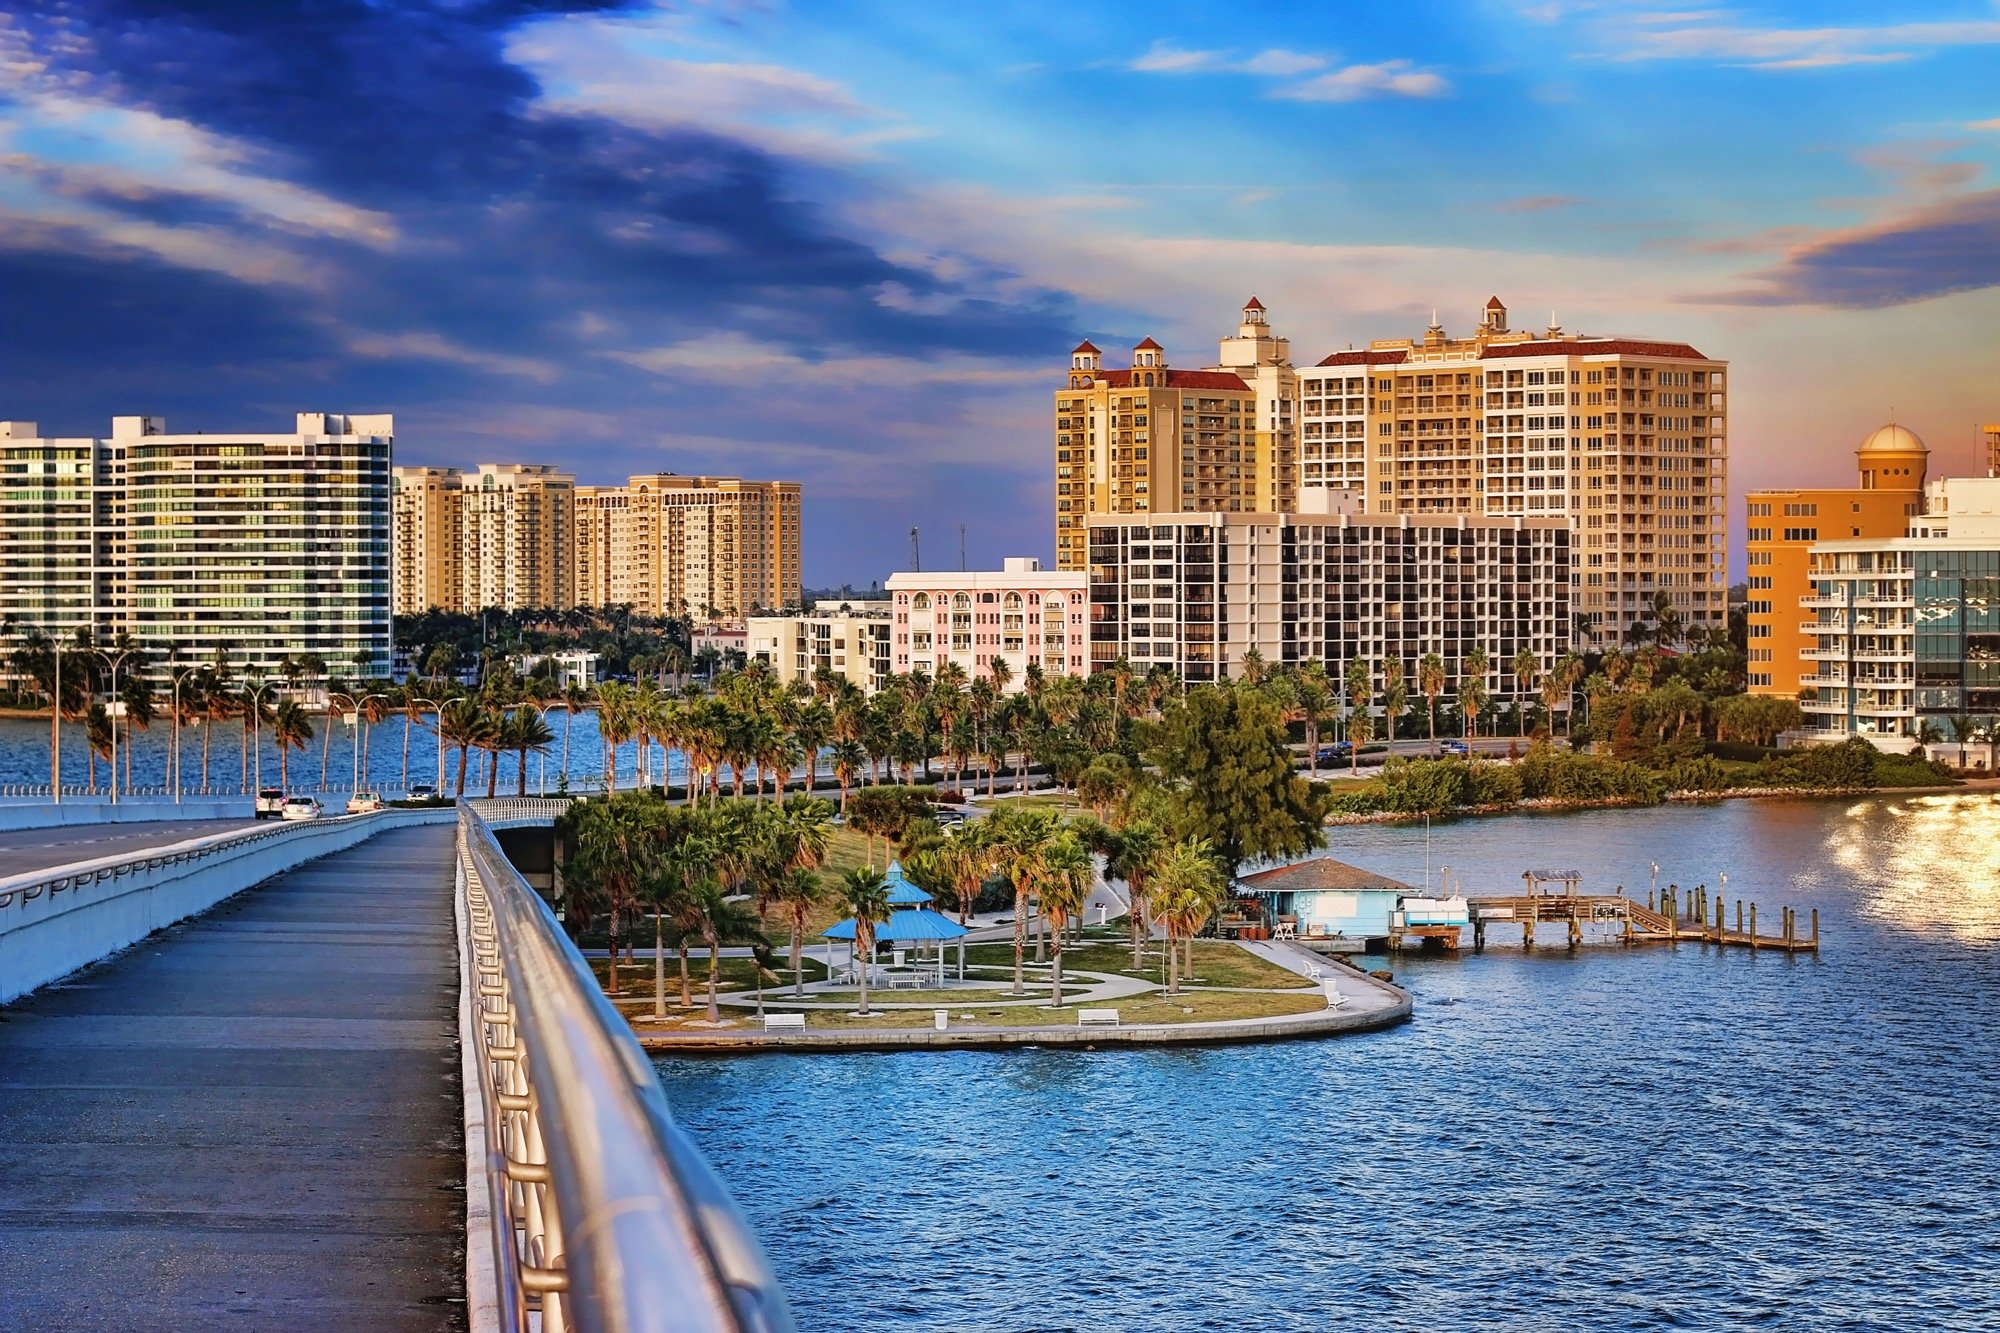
column 22, row 850
column 251, row 1120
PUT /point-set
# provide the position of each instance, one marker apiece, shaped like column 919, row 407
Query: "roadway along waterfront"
column 22, row 850
column 1616, row 1139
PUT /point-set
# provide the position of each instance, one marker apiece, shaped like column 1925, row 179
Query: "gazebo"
column 911, row 921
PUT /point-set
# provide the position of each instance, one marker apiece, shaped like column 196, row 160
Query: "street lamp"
column 115, row 660
column 55, row 723
column 257, row 735
column 1653, row 893
column 360, row 725
column 178, row 677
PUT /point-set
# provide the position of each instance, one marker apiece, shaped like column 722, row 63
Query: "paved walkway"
column 252, row 1120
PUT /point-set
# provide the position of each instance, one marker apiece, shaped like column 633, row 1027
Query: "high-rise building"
column 1153, row 437
column 1906, row 629
column 673, row 545
column 1626, row 437
column 1993, row 450
column 1196, row 592
column 518, row 538
column 1021, row 614
column 1784, row 525
column 262, row 546
column 427, row 507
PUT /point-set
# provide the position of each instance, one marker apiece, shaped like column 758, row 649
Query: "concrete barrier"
column 33, row 813
column 54, row 921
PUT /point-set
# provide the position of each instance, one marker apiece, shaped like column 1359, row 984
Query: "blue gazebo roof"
column 902, row 893
column 910, row 923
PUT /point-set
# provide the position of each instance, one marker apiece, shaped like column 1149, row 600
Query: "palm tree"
column 1395, row 695
column 1314, row 696
column 1062, row 882
column 524, row 731
column 1188, row 889
column 1018, row 836
column 1569, row 671
column 463, row 723
column 1135, row 858
column 97, row 735
column 847, row 757
column 574, row 701
column 797, row 891
column 291, row 730
column 1360, row 692
column 1526, row 667
column 1472, row 689
column 865, row 895
column 1430, row 683
column 721, row 919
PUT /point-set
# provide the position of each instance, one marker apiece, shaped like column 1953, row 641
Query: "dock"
column 1675, row 916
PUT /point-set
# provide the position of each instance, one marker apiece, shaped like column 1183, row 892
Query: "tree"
column 1430, row 683
column 291, row 730
column 1227, row 775
column 1360, row 697
column 1395, row 695
column 864, row 892
column 1018, row 836
column 1135, row 857
column 1313, row 695
column 1062, row 882
column 1526, row 668
column 463, row 723
column 1472, row 696
column 1188, row 889
column 522, row 732
column 721, row 919
column 797, row 892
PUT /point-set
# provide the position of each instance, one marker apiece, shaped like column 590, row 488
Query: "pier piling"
column 1815, row 928
column 1753, row 928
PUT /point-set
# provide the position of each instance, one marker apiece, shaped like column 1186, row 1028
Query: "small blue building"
column 1324, row 900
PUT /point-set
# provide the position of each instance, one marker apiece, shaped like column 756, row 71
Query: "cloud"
column 1721, row 35
column 1941, row 248
column 1354, row 83
column 1164, row 57
column 1993, row 124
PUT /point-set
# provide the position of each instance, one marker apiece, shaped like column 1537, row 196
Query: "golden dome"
column 1893, row 440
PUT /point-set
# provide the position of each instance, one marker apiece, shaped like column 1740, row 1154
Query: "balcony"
column 1823, row 627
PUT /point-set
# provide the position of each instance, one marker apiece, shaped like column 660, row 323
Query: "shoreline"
column 1549, row 805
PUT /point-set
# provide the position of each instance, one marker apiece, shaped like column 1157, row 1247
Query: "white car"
column 300, row 807
column 362, row 802
column 270, row 802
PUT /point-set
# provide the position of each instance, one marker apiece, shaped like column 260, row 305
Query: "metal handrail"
column 606, row 1217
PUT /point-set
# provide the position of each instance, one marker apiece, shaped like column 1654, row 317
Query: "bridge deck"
column 252, row 1120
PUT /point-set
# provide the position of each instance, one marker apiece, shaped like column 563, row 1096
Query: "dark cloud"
column 1952, row 246
column 526, row 245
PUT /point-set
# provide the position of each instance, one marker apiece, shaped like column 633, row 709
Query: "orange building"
column 1784, row 525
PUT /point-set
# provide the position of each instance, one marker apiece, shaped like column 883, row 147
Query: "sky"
column 851, row 244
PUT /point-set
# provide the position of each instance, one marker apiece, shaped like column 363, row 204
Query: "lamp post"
column 1654, row 891
column 55, row 727
column 257, row 735
column 178, row 677
column 360, row 725
column 115, row 660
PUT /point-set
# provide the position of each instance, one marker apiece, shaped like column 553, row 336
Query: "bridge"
column 340, row 1073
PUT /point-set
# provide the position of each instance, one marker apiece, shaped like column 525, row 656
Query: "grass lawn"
column 1205, row 1007
column 637, row 978
column 1216, row 963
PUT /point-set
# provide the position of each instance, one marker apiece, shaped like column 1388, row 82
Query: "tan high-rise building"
column 427, row 526
column 674, row 545
column 518, row 537
column 1627, row 437
column 1784, row 525
column 1993, row 450
column 1152, row 437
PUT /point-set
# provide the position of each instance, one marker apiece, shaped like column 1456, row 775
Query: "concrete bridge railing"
column 53, row 922
column 601, row 1214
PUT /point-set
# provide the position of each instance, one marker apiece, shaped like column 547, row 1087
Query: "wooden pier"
column 1679, row 916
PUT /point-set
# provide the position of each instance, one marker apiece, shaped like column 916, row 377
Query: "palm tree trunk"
column 492, row 771
column 1173, row 964
column 659, row 968
column 714, row 975
column 1055, row 975
column 798, row 957
column 406, row 751
column 1020, row 938
column 861, row 969
column 521, row 777
column 687, row 995
column 460, row 792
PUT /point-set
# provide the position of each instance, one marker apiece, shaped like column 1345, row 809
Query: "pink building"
column 1020, row 614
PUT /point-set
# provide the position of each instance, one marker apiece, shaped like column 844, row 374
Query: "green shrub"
column 1701, row 773
column 1552, row 774
column 1495, row 784
column 1849, row 765
column 1909, row 770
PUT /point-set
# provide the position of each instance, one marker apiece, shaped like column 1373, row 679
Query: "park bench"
column 1089, row 1018
column 778, row 1022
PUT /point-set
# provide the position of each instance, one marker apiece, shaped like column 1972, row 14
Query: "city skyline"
column 853, row 245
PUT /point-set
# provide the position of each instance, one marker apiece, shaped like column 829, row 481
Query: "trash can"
column 942, row 1017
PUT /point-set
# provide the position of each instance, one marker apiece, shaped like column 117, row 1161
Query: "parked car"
column 1457, row 747
column 364, row 801
column 270, row 802
column 1335, row 752
column 299, row 807
column 423, row 791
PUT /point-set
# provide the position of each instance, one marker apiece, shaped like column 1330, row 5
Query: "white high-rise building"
column 266, row 546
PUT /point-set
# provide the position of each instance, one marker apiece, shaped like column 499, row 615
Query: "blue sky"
column 851, row 244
